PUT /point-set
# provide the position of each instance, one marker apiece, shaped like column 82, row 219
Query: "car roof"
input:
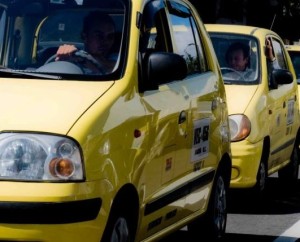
column 292, row 47
column 239, row 29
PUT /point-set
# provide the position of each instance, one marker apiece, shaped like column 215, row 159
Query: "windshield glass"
column 238, row 58
column 63, row 38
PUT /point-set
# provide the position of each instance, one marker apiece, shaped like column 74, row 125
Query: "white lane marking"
column 292, row 234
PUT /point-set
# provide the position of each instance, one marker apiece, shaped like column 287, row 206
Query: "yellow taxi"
column 262, row 104
column 114, row 122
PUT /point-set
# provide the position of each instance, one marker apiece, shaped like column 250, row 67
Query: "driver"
column 238, row 58
column 98, row 35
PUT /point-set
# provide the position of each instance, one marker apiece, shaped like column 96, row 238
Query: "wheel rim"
column 120, row 231
column 220, row 207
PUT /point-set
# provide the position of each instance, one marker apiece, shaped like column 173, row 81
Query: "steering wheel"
column 50, row 59
column 78, row 58
column 228, row 69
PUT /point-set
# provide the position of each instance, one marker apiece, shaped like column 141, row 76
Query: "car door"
column 183, row 114
column 169, row 109
column 282, row 105
column 201, row 93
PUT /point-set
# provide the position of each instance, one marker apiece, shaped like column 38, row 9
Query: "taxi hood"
column 46, row 105
column 239, row 97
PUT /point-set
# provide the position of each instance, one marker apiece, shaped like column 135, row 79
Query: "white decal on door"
column 200, row 146
column 290, row 112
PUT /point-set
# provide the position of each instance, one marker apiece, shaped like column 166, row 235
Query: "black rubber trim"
column 284, row 146
column 48, row 212
column 179, row 193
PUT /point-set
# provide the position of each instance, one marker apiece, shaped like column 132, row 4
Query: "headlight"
column 39, row 157
column 240, row 127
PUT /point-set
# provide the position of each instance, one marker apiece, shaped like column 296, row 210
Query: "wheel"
column 289, row 174
column 120, row 231
column 239, row 75
column 60, row 67
column 50, row 59
column 79, row 58
column 213, row 224
column 261, row 179
column 117, row 230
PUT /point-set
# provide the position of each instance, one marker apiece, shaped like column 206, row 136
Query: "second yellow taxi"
column 263, row 104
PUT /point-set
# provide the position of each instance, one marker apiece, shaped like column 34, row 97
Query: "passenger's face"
column 99, row 39
column 237, row 60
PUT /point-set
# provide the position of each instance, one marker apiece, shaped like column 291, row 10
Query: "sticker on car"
column 200, row 139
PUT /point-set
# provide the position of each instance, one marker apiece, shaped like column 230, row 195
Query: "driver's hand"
column 65, row 52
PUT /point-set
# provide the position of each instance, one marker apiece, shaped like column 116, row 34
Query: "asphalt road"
column 274, row 218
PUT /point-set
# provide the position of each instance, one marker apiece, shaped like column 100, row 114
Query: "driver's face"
column 99, row 39
column 237, row 60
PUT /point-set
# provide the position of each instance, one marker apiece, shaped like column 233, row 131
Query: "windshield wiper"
column 19, row 73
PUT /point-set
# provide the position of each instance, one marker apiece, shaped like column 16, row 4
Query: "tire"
column 117, row 230
column 213, row 224
column 289, row 174
column 261, row 179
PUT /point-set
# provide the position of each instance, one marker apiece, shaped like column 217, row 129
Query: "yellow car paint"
column 153, row 159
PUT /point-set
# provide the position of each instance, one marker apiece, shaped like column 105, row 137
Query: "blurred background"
column 279, row 15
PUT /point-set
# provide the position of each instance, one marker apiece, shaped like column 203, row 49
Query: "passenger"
column 98, row 35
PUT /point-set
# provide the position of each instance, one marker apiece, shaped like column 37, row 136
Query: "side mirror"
column 163, row 67
column 280, row 77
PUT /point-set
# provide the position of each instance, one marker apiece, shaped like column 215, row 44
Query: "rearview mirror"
column 163, row 67
column 280, row 77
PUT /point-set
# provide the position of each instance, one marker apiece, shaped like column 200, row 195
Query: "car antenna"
column 273, row 21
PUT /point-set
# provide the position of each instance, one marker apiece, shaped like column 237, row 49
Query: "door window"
column 186, row 38
column 279, row 54
column 173, row 31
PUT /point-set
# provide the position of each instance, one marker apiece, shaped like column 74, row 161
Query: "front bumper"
column 50, row 212
column 246, row 158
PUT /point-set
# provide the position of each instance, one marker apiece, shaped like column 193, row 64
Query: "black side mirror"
column 163, row 67
column 280, row 77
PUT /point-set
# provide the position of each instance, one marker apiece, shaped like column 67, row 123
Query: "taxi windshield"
column 238, row 58
column 62, row 38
